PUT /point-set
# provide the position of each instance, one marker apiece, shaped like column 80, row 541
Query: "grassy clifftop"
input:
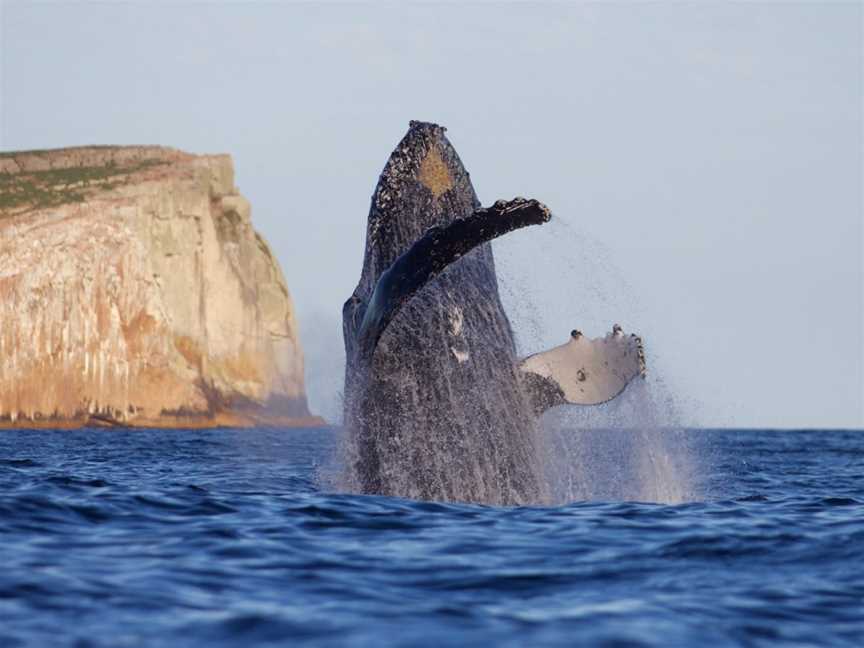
column 24, row 191
column 38, row 179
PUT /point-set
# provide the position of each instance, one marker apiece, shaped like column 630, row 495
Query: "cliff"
column 134, row 290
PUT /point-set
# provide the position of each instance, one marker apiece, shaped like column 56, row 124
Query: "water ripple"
column 224, row 537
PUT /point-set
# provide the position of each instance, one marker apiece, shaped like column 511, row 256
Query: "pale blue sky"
column 704, row 162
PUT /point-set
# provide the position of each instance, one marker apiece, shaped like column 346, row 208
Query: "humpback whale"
column 437, row 404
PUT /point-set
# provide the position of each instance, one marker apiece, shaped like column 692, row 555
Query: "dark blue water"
column 224, row 537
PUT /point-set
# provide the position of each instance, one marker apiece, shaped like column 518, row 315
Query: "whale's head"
column 423, row 185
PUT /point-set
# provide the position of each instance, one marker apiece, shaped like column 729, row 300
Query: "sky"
column 703, row 162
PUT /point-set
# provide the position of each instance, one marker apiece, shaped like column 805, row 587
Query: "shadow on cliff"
column 277, row 409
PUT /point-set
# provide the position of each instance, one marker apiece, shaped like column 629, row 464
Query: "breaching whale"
column 437, row 405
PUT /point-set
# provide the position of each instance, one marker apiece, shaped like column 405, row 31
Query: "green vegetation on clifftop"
column 26, row 191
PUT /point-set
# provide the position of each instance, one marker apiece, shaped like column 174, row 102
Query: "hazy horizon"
column 703, row 163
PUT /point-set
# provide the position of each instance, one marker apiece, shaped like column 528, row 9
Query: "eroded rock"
column 133, row 288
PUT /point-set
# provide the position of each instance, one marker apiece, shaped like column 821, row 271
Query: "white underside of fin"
column 590, row 371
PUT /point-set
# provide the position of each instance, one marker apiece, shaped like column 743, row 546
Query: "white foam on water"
column 626, row 450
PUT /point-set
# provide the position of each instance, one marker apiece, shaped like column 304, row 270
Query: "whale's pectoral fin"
column 433, row 252
column 583, row 371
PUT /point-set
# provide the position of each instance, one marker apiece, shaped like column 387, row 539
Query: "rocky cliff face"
column 133, row 288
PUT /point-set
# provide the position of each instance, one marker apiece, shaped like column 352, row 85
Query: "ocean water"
column 232, row 537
